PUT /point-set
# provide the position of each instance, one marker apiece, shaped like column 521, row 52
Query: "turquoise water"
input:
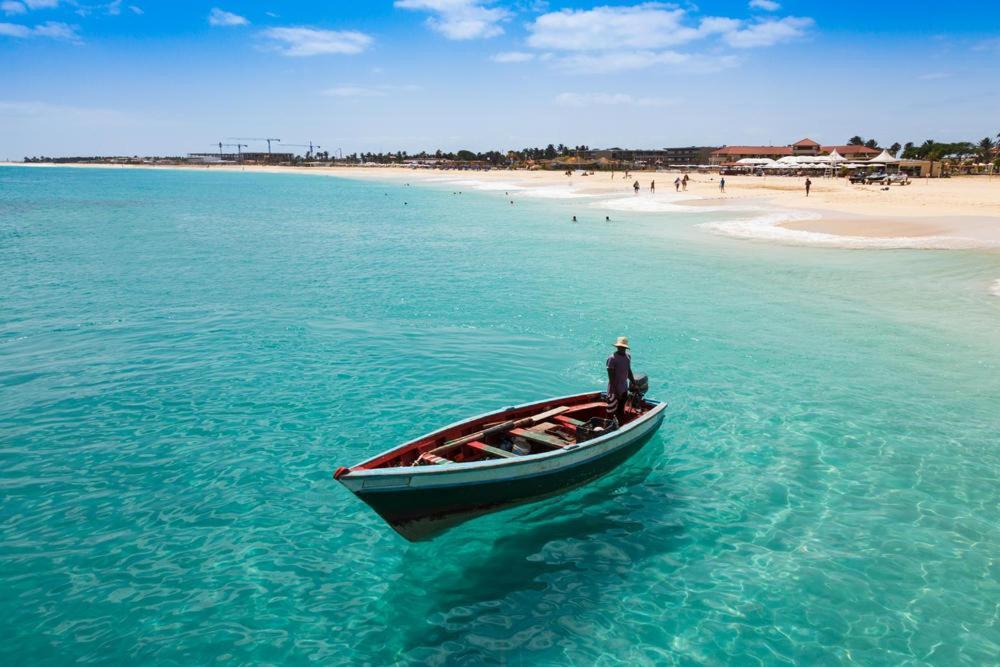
column 186, row 357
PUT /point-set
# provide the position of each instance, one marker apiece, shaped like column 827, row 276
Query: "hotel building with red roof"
column 731, row 154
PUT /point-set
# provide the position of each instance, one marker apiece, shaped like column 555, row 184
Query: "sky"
column 168, row 77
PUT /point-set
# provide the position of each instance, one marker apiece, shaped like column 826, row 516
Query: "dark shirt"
column 619, row 372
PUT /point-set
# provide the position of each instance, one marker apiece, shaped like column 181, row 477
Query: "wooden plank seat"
column 568, row 421
column 543, row 438
column 544, row 427
column 586, row 406
column 437, row 460
column 486, row 449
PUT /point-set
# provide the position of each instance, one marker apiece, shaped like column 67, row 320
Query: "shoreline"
column 955, row 213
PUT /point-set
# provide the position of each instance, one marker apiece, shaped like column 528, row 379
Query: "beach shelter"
column 835, row 158
column 884, row 158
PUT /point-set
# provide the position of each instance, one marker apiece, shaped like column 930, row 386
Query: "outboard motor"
column 640, row 385
column 639, row 388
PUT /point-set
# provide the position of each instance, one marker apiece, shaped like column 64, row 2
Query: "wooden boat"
column 517, row 455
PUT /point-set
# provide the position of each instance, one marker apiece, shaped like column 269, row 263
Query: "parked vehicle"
column 876, row 178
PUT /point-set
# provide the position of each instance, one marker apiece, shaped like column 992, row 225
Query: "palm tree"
column 894, row 149
column 986, row 147
column 855, row 141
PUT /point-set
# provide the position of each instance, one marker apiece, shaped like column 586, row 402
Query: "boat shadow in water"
column 499, row 563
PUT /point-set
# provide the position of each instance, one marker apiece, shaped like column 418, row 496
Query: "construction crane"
column 267, row 139
column 310, row 146
column 238, row 147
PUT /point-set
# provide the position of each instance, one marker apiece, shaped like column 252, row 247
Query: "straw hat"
column 622, row 342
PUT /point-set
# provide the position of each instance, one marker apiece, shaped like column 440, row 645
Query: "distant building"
column 803, row 147
column 246, row 158
column 687, row 155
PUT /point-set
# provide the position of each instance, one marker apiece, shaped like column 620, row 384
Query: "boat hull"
column 421, row 502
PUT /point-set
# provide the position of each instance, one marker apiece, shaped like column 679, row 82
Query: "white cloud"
column 768, row 33
column 50, row 29
column 460, row 19
column 136, row 10
column 219, row 17
column 579, row 100
column 14, row 30
column 766, row 5
column 512, row 57
column 114, row 8
column 57, row 30
column 12, row 7
column 315, row 42
column 616, row 38
column 650, row 25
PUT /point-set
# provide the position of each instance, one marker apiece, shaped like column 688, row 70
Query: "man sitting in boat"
column 619, row 378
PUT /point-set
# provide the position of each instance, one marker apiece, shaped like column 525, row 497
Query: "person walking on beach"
column 635, row 186
column 677, row 184
column 619, row 378
column 722, row 184
column 652, row 186
column 809, row 185
column 684, row 183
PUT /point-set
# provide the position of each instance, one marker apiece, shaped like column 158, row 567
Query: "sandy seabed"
column 961, row 212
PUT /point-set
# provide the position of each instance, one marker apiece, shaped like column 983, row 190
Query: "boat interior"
column 513, row 433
